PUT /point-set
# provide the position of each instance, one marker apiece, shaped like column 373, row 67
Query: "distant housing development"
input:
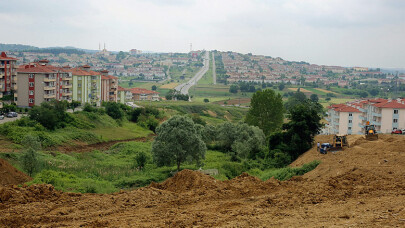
column 351, row 118
column 38, row 82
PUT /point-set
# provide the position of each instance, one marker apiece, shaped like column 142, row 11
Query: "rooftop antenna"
column 104, row 46
column 191, row 47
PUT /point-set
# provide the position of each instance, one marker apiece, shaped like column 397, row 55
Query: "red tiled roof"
column 390, row 104
column 142, row 91
column 37, row 69
column 122, row 89
column 346, row 108
column 3, row 56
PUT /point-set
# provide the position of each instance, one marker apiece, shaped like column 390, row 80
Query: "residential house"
column 86, row 85
column 351, row 118
column 8, row 76
column 140, row 94
column 109, row 87
column 39, row 82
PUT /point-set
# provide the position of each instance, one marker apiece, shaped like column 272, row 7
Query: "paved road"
column 5, row 120
column 214, row 73
column 183, row 88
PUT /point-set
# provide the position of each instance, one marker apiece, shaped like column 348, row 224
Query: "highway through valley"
column 183, row 88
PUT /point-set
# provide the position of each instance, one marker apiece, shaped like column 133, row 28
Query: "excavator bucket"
column 372, row 137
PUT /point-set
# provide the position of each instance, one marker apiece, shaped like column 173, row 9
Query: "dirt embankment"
column 362, row 186
column 10, row 175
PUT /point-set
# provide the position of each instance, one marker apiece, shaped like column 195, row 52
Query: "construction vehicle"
column 339, row 143
column 370, row 132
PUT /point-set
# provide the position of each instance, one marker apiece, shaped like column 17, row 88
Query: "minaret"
column 191, row 47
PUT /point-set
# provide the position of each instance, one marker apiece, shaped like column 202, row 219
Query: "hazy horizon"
column 343, row 33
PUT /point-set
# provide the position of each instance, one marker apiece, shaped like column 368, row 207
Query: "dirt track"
column 363, row 186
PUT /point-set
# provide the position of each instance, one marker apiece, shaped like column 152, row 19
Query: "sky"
column 369, row 33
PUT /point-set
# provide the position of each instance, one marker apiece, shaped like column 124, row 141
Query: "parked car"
column 397, row 131
column 14, row 114
column 1, row 117
column 9, row 115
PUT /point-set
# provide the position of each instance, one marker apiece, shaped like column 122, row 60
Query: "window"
column 395, row 111
column 350, row 121
column 395, row 121
column 31, row 101
column 31, row 84
column 350, row 114
column 31, row 92
column 350, row 128
column 79, row 85
column 31, row 76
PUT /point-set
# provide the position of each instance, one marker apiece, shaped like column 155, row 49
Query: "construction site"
column 360, row 186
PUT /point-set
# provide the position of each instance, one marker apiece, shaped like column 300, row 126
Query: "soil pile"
column 362, row 186
column 10, row 175
column 187, row 180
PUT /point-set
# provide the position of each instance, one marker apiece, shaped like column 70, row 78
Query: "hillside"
column 361, row 186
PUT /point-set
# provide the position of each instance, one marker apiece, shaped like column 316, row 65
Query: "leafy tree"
column 314, row 97
column 114, row 110
column 206, row 100
column 154, row 87
column 298, row 134
column 266, row 111
column 281, row 86
column 233, row 89
column 141, row 158
column 30, row 158
column 177, row 141
column 51, row 115
column 374, row 92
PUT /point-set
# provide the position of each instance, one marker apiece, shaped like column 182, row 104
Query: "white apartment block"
column 350, row 118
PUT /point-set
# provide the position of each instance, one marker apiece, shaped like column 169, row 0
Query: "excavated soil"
column 362, row 186
column 10, row 175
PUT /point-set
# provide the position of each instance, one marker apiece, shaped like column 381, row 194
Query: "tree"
column 74, row 104
column 233, row 89
column 141, row 158
column 281, row 86
column 299, row 132
column 30, row 157
column 206, row 100
column 314, row 97
column 177, row 140
column 51, row 115
column 266, row 111
column 154, row 87
column 114, row 110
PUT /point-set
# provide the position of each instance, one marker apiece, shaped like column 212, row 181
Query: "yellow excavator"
column 339, row 143
column 370, row 132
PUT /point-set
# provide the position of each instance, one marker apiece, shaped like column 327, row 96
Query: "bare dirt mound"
column 10, row 175
column 187, row 180
column 362, row 186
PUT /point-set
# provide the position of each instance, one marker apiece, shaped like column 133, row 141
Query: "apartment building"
column 39, row 82
column 351, row 118
column 8, row 75
column 124, row 95
column 109, row 87
column 343, row 119
column 140, row 94
column 86, row 85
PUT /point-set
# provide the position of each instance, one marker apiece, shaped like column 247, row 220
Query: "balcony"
column 49, row 79
column 1, row 75
column 376, row 123
column 362, row 110
column 376, row 114
column 49, row 96
column 49, row 88
column 361, row 125
column 69, row 86
column 65, row 94
column 67, row 78
column 363, row 118
column 327, row 119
